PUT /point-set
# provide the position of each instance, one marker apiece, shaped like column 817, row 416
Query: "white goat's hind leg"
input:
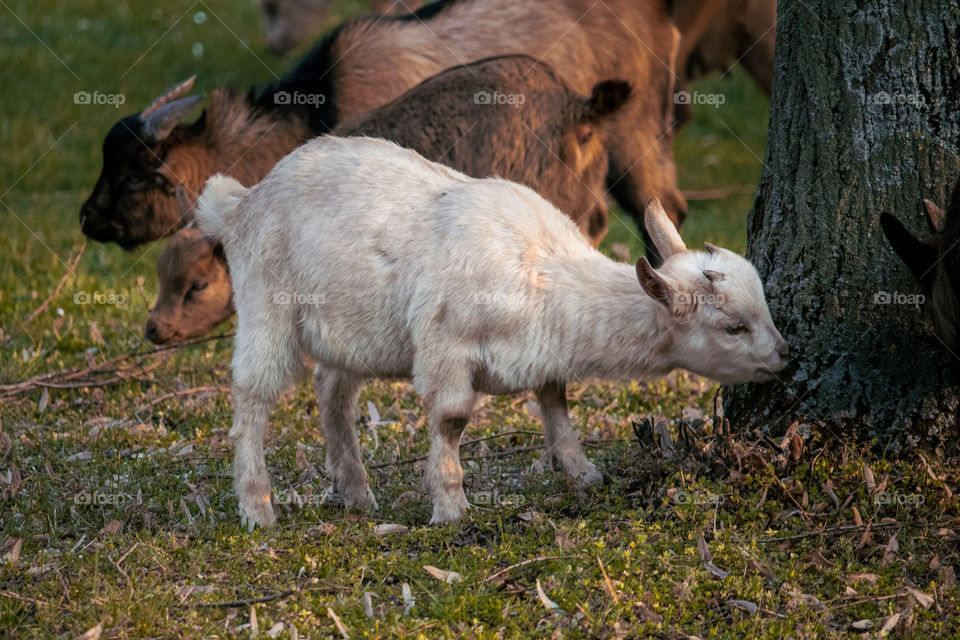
column 251, row 413
column 337, row 395
column 563, row 446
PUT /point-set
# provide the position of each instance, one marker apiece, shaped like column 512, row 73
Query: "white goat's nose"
column 783, row 348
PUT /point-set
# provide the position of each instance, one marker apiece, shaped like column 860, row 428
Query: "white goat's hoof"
column 586, row 476
column 449, row 508
column 361, row 498
column 257, row 512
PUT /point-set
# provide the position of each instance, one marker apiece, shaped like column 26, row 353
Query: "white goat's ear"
column 711, row 249
column 654, row 284
column 662, row 231
column 935, row 215
column 714, row 276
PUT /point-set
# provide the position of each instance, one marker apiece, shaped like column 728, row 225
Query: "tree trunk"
column 865, row 117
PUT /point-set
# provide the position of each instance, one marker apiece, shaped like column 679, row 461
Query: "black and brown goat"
column 368, row 62
column 935, row 262
column 510, row 117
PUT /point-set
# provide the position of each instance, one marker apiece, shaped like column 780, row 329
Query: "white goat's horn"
column 171, row 94
column 662, row 231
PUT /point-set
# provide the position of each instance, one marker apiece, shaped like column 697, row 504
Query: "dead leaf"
column 890, row 623
column 547, row 602
column 95, row 336
column 857, row 520
column 922, row 599
column 890, row 551
column 44, row 400
column 744, row 605
column 828, row 491
column 408, row 599
column 13, row 556
column 868, row 479
column 79, row 457
column 368, row 604
column 862, row 625
column 336, row 621
column 444, row 576
column 111, row 528
column 254, row 625
column 92, row 633
column 852, row 578
column 275, row 630
column 387, row 529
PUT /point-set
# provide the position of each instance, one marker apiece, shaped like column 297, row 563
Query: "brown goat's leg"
column 563, row 446
column 337, row 395
column 251, row 413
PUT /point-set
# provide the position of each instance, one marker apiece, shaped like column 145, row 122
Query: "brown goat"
column 935, row 262
column 287, row 23
column 368, row 62
column 714, row 35
column 541, row 134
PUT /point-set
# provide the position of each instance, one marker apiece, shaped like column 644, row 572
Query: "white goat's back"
column 380, row 260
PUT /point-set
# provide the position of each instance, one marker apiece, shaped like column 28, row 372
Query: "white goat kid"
column 369, row 259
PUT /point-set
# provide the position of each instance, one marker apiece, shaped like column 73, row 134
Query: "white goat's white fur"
column 374, row 262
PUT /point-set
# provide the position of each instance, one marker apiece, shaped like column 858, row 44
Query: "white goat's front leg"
column 446, row 385
column 337, row 395
column 444, row 478
column 563, row 446
column 251, row 413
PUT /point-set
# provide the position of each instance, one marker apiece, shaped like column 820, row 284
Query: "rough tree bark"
column 865, row 117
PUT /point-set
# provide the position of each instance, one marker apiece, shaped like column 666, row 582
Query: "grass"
column 622, row 561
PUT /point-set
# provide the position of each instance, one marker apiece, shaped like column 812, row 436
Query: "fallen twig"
column 85, row 376
column 249, row 601
column 831, row 531
column 496, row 575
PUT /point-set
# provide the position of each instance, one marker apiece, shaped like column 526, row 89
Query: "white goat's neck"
column 608, row 325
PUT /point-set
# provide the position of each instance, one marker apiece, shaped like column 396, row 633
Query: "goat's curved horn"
column 935, row 215
column 662, row 231
column 173, row 93
column 161, row 121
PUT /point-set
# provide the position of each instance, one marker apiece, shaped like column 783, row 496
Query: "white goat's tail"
column 217, row 206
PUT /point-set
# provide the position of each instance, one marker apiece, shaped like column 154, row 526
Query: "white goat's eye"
column 738, row 329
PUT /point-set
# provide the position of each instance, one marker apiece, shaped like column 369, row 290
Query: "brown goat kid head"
column 935, row 262
column 195, row 294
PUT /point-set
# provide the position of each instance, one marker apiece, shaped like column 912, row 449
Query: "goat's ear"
column 160, row 121
column 654, row 284
column 713, row 276
column 711, row 248
column 918, row 255
column 217, row 247
column 935, row 215
column 662, row 231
